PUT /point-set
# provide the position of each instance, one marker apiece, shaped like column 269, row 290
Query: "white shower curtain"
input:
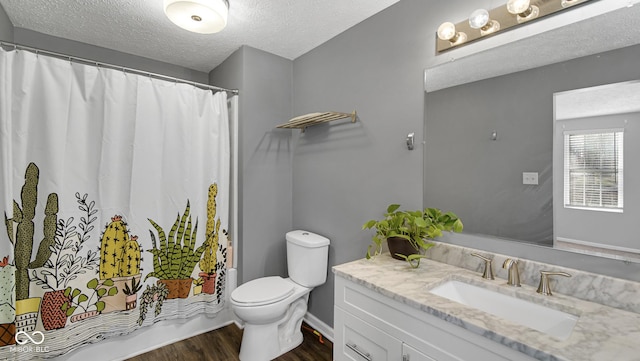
column 110, row 182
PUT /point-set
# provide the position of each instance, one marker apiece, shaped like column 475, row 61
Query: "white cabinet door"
column 411, row 354
column 356, row 340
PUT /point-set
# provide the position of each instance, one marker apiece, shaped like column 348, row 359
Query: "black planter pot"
column 401, row 246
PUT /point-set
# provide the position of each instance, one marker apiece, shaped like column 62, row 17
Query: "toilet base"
column 266, row 342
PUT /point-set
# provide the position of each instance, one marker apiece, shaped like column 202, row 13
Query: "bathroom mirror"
column 483, row 138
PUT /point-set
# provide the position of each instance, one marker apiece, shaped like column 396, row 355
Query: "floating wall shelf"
column 310, row 119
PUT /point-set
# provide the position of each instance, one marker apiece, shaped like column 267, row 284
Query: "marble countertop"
column 601, row 333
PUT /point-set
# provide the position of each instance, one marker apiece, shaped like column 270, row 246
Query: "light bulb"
column 478, row 18
column 516, row 7
column 447, row 32
column 523, row 10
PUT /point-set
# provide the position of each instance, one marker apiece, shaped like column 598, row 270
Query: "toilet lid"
column 263, row 291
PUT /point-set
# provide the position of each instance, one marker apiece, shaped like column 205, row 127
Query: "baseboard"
column 319, row 326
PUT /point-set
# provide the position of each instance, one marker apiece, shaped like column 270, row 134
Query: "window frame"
column 619, row 170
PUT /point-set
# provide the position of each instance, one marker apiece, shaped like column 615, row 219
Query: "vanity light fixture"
column 198, row 16
column 479, row 19
column 484, row 23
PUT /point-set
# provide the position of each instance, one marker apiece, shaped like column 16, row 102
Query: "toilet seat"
column 263, row 291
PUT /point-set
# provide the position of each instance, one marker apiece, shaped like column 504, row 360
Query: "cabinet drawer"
column 411, row 354
column 356, row 340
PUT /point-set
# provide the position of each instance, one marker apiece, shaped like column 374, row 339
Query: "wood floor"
column 224, row 344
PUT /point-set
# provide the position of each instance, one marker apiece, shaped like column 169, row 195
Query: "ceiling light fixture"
column 198, row 16
column 483, row 23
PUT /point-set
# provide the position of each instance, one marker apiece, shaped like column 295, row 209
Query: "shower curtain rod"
column 117, row 67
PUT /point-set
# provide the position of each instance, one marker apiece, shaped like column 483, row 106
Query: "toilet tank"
column 307, row 258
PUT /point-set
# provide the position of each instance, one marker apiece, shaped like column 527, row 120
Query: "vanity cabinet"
column 369, row 326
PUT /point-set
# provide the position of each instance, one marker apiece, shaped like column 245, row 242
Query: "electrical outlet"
column 530, row 178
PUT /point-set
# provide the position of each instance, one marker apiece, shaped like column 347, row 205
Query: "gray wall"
column 90, row 52
column 6, row 27
column 481, row 179
column 345, row 174
column 265, row 197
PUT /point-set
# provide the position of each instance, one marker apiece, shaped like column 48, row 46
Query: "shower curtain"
column 115, row 194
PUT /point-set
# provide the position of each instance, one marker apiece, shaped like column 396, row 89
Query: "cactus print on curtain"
column 115, row 195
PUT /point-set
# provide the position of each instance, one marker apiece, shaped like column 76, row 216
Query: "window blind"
column 593, row 169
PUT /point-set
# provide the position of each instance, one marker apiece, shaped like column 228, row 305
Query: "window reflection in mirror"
column 596, row 198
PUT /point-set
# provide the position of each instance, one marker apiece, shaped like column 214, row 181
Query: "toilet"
column 272, row 308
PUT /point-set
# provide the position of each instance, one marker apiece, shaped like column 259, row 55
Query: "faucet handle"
column 514, row 275
column 488, row 269
column 544, row 287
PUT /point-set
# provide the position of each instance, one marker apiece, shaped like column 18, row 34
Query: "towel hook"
column 410, row 140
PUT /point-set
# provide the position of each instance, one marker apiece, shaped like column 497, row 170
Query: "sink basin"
column 550, row 321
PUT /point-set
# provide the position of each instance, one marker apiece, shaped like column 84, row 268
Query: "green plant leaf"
column 113, row 291
column 457, row 226
column 369, row 224
column 101, row 292
column 70, row 311
column 82, row 298
column 108, row 282
column 420, row 222
column 75, row 293
column 100, row 306
column 392, row 208
column 93, row 284
column 413, row 260
column 67, row 292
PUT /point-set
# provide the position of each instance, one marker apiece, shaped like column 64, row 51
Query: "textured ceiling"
column 288, row 28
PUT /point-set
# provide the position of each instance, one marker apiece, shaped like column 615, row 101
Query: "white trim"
column 598, row 209
column 597, row 249
column 318, row 325
column 593, row 131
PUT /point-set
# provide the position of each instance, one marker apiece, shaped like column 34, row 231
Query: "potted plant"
column 157, row 294
column 20, row 229
column 176, row 257
column 197, row 286
column 7, row 302
column 132, row 293
column 80, row 306
column 66, row 263
column 210, row 256
column 407, row 232
column 121, row 259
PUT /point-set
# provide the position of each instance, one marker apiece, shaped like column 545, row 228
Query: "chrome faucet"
column 488, row 269
column 514, row 275
column 544, row 287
